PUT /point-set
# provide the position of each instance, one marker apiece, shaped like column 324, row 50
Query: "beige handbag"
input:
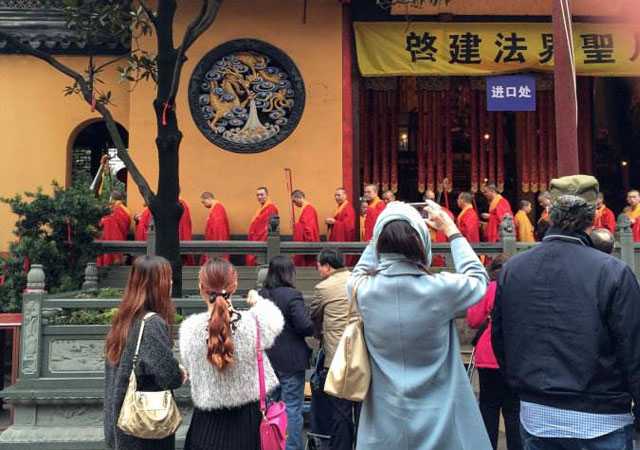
column 350, row 372
column 148, row 415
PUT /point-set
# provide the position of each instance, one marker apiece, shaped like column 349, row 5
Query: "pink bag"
column 273, row 428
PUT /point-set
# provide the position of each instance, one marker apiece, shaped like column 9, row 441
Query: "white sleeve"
column 185, row 339
column 270, row 319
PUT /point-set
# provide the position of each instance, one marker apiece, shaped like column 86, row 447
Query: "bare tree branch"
column 204, row 5
column 17, row 43
column 202, row 22
column 87, row 94
column 149, row 13
column 108, row 63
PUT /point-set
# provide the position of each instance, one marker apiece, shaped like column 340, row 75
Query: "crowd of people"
column 342, row 224
column 556, row 348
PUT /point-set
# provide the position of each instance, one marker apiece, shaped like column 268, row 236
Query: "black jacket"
column 290, row 353
column 566, row 327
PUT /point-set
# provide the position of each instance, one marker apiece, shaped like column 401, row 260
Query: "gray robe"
column 420, row 397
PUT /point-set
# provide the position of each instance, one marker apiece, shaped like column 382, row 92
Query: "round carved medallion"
column 246, row 96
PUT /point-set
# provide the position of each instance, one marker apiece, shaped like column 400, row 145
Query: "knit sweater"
column 156, row 370
column 238, row 384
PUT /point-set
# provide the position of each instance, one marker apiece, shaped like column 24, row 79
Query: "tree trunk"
column 168, row 244
column 168, row 144
column 166, row 208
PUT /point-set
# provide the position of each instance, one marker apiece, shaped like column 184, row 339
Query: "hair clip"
column 224, row 294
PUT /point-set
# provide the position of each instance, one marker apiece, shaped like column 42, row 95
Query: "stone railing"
column 625, row 249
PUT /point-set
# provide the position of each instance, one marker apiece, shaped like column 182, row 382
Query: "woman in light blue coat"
column 420, row 397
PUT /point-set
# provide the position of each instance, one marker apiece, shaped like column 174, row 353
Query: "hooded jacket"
column 420, row 397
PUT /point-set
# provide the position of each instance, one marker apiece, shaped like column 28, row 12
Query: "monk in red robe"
column 143, row 220
column 437, row 237
column 498, row 208
column 259, row 227
column 185, row 232
column 306, row 227
column 374, row 208
column 468, row 218
column 341, row 226
column 115, row 227
column 633, row 212
column 217, row 227
column 604, row 217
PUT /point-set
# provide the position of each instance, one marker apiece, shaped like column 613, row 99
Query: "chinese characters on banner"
column 511, row 93
column 426, row 48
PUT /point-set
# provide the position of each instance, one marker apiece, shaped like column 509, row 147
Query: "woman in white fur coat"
column 218, row 348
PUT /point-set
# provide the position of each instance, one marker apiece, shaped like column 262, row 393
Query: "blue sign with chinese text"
column 511, row 93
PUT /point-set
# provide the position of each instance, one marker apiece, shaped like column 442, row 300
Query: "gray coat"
column 420, row 397
column 157, row 370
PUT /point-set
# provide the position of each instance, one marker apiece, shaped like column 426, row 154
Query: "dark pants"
column 345, row 415
column 621, row 439
column 495, row 396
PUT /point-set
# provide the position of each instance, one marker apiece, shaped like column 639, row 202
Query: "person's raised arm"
column 269, row 316
column 367, row 262
column 469, row 284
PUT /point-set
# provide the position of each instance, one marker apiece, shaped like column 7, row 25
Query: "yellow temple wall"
column 313, row 151
column 38, row 125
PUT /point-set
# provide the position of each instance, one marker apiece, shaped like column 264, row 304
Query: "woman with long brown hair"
column 148, row 290
column 218, row 347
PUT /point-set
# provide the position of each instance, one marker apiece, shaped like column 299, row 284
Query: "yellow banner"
column 428, row 48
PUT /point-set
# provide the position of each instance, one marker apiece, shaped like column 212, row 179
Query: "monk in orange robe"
column 498, row 208
column 115, row 227
column 259, row 227
column 437, row 237
column 341, row 226
column 375, row 207
column 143, row 220
column 306, row 227
column 468, row 218
column 217, row 227
column 633, row 212
column 524, row 228
column 604, row 217
column 185, row 232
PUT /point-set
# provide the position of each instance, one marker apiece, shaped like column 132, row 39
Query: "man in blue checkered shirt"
column 566, row 332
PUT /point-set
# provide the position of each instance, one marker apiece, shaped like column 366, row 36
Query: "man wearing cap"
column 569, row 346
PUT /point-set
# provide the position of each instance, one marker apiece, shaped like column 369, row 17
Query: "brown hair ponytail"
column 220, row 345
column 218, row 280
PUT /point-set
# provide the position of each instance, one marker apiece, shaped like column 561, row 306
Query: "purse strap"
column 144, row 320
column 263, row 393
column 354, row 295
